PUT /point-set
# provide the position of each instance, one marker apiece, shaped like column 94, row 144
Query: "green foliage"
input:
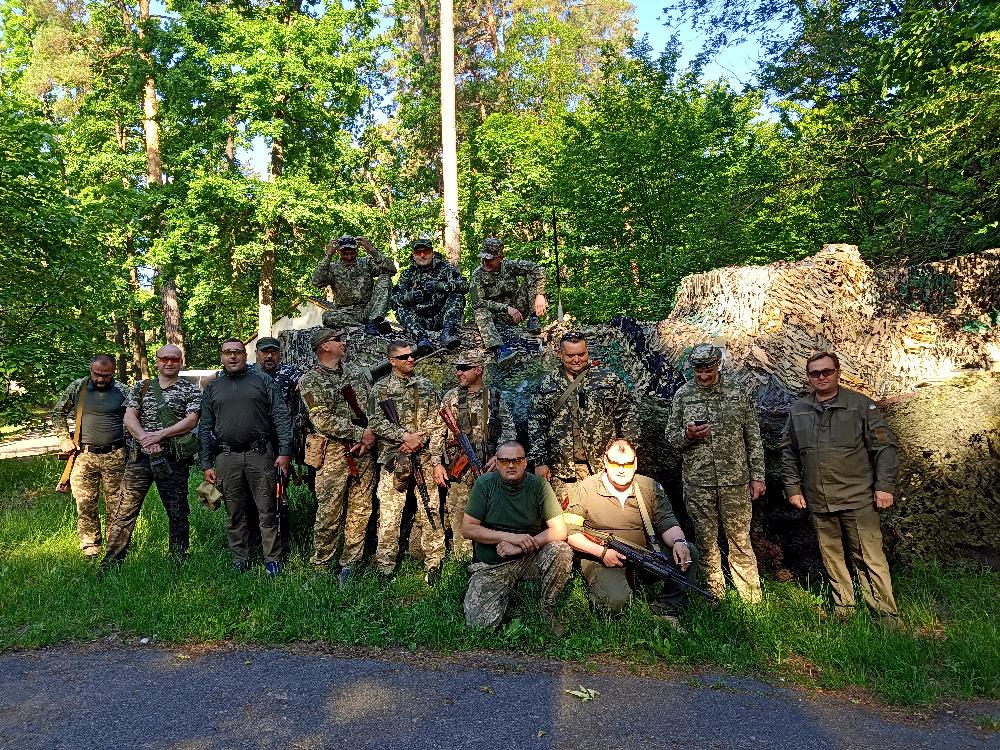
column 948, row 648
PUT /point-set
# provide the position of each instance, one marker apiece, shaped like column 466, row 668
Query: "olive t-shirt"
column 103, row 415
column 520, row 509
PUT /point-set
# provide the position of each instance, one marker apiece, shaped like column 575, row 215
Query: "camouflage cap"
column 492, row 247
column 348, row 241
column 321, row 335
column 267, row 342
column 422, row 242
column 705, row 355
column 470, row 358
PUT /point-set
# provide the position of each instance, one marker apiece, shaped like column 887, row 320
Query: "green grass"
column 950, row 647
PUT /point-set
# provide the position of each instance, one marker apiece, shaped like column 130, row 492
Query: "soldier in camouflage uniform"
column 517, row 528
column 577, row 411
column 348, row 470
column 482, row 414
column 714, row 426
column 155, row 456
column 100, row 449
column 417, row 403
column 504, row 292
column 430, row 296
column 360, row 286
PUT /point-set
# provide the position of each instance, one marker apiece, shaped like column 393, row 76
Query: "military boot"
column 424, row 346
column 371, row 328
column 533, row 327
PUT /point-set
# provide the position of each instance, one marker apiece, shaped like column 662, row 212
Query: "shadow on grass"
column 950, row 647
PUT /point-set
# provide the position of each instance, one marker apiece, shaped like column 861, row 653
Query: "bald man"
column 160, row 414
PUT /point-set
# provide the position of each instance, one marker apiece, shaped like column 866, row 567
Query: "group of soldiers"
column 378, row 438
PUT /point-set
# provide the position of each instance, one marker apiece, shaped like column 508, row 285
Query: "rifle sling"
column 78, row 427
column 570, row 390
column 650, row 534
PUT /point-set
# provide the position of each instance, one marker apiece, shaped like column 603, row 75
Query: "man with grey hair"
column 714, row 425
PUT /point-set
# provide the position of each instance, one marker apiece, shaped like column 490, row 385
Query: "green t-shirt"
column 520, row 509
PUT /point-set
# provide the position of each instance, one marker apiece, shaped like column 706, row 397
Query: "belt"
column 91, row 448
column 241, row 448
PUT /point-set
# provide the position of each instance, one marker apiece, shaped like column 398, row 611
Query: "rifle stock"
column 465, row 443
column 63, row 484
column 392, row 414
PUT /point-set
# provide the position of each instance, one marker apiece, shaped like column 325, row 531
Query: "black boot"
column 450, row 338
column 424, row 346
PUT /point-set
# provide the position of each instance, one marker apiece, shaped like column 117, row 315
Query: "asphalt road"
column 125, row 697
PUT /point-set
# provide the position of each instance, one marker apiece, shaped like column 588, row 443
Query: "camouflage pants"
column 565, row 487
column 458, row 498
column 343, row 502
column 490, row 586
column 730, row 506
column 610, row 589
column 358, row 315
column 862, row 531
column 173, row 491
column 246, row 478
column 90, row 472
column 417, row 324
column 390, row 517
column 497, row 328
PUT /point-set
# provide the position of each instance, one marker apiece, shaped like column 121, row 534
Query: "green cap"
column 471, row 358
column 268, row 342
column 322, row 335
column 705, row 355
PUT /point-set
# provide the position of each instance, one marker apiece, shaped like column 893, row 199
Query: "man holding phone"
column 714, row 426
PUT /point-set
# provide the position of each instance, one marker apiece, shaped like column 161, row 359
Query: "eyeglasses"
column 618, row 464
column 465, row 368
column 232, row 352
column 403, row 357
column 339, row 339
column 508, row 462
column 816, row 374
column 169, row 360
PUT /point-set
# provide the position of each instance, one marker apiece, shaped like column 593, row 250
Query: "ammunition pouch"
column 402, row 471
column 315, row 450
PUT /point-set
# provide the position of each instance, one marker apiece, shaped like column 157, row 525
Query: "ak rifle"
column 392, row 414
column 471, row 459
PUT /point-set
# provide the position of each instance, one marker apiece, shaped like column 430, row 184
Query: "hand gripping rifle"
column 392, row 414
column 360, row 419
column 471, row 459
column 655, row 563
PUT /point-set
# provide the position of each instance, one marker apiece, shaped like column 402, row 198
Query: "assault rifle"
column 648, row 561
column 392, row 414
column 360, row 419
column 469, row 458
column 281, row 508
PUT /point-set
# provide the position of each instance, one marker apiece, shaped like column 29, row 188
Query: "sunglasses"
column 816, row 374
column 169, row 360
column 339, row 339
column 402, row 357
column 508, row 462
column 465, row 368
column 618, row 464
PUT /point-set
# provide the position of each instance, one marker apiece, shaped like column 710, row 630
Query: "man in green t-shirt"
column 515, row 524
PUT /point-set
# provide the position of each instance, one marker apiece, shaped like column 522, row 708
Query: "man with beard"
column 98, row 403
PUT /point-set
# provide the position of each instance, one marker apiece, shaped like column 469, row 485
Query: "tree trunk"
column 449, row 147
column 120, row 343
column 140, row 355
column 172, row 331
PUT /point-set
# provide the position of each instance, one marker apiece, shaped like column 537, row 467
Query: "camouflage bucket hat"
column 209, row 495
column 492, row 247
column 705, row 355
column 322, row 335
column 347, row 241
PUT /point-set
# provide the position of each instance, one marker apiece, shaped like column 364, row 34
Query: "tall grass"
column 50, row 594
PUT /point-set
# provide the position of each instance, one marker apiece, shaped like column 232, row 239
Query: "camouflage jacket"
column 733, row 454
column 352, row 285
column 183, row 398
column 328, row 409
column 838, row 457
column 506, row 288
column 471, row 423
column 425, row 290
column 287, row 377
column 601, row 409
column 417, row 402
column 66, row 405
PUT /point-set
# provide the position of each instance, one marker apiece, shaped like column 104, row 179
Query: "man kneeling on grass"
column 515, row 524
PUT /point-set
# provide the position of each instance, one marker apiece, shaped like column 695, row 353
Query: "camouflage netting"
column 894, row 331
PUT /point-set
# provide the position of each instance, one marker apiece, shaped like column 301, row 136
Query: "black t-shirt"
column 103, row 415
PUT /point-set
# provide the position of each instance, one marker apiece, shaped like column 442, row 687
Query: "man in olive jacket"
column 839, row 459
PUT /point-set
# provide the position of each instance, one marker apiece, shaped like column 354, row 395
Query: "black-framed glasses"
column 817, row 374
column 403, row 357
column 340, row 338
column 508, row 462
column 465, row 368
